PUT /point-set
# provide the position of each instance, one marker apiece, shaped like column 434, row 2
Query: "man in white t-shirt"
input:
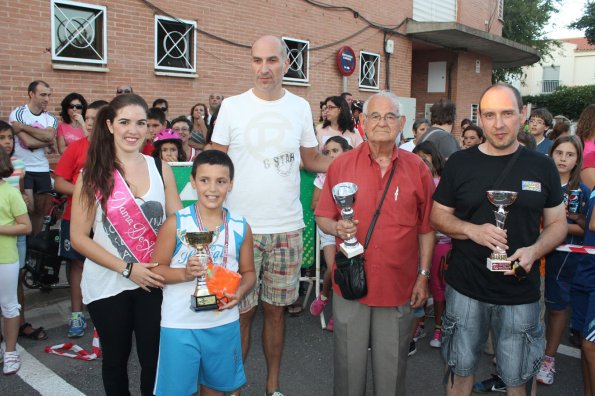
column 35, row 130
column 266, row 131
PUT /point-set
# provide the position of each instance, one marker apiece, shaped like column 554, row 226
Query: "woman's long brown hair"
column 98, row 173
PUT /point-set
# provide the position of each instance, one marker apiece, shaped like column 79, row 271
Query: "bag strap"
column 508, row 167
column 159, row 166
column 373, row 223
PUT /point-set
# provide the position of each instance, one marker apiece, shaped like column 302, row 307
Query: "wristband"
column 424, row 272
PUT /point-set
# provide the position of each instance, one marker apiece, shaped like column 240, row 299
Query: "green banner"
column 182, row 172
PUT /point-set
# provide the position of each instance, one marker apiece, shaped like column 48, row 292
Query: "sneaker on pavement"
column 547, row 371
column 494, row 384
column 12, row 362
column 330, row 326
column 77, row 324
column 420, row 332
column 412, row 348
column 318, row 305
column 275, row 393
column 436, row 341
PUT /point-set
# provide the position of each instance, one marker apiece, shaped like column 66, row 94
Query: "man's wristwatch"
column 424, row 272
column 127, row 270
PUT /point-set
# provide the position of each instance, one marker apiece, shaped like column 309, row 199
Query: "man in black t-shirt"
column 477, row 298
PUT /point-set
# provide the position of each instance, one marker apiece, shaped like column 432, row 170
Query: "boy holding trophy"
column 200, row 330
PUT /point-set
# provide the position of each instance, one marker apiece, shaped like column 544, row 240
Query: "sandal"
column 37, row 334
column 295, row 309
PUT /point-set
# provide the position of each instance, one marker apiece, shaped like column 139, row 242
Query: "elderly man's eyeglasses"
column 123, row 91
column 389, row 118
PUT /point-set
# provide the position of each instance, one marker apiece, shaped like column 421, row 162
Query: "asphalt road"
column 307, row 367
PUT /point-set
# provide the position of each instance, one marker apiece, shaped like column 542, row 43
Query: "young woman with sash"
column 123, row 198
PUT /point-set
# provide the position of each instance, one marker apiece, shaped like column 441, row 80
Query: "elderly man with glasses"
column 401, row 238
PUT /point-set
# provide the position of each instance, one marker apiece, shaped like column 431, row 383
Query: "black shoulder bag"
column 350, row 274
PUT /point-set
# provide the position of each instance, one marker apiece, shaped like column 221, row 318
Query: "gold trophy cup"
column 201, row 299
column 498, row 260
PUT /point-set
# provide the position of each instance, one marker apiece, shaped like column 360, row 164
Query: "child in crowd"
column 539, row 122
column 560, row 267
column 334, row 147
column 582, row 298
column 67, row 171
column 202, row 347
column 168, row 146
column 156, row 122
column 472, row 136
column 17, row 180
column 13, row 221
column 429, row 152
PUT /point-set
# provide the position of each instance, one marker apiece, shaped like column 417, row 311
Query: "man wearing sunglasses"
column 124, row 89
column 161, row 104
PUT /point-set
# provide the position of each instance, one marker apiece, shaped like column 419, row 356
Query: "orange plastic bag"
column 220, row 280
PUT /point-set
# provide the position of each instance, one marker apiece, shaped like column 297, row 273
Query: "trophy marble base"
column 499, row 265
column 203, row 303
column 351, row 250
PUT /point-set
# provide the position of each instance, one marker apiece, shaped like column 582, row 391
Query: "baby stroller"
column 42, row 264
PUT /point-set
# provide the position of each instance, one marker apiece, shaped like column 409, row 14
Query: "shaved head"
column 272, row 40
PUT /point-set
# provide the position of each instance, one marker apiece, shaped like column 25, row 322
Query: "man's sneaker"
column 494, row 384
column 12, row 362
column 275, row 393
column 436, row 341
column 412, row 348
column 420, row 332
column 547, row 371
column 318, row 305
column 77, row 324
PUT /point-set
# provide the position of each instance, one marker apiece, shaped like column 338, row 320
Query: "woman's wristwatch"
column 127, row 270
column 424, row 272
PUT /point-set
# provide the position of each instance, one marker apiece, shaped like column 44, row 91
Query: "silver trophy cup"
column 498, row 260
column 201, row 299
column 344, row 195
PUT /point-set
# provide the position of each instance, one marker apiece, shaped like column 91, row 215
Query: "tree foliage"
column 587, row 22
column 525, row 22
column 568, row 101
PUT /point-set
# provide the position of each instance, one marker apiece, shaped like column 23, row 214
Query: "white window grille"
column 299, row 60
column 501, row 10
column 473, row 115
column 175, row 41
column 79, row 32
column 369, row 70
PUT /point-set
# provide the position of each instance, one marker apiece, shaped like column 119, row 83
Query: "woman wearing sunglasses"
column 71, row 129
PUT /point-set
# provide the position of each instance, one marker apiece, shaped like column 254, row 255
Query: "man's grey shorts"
column 516, row 329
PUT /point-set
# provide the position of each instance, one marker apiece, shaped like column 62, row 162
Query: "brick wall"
column 221, row 67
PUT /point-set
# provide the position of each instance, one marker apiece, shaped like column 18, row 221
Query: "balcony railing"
column 549, row 86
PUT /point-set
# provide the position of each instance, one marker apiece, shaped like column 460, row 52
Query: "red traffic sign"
column 346, row 61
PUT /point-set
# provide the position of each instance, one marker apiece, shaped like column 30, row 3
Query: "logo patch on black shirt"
column 531, row 186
